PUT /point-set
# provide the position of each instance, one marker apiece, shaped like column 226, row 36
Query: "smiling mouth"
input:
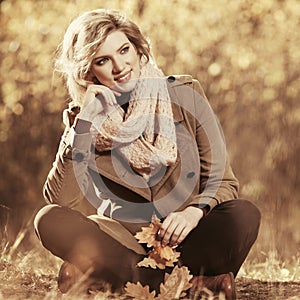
column 123, row 78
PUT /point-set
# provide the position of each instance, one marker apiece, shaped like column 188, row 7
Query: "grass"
column 32, row 274
column 272, row 269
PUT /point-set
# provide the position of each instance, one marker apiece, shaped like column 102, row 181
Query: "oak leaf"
column 167, row 253
column 148, row 234
column 139, row 292
column 159, row 256
column 175, row 284
column 150, row 262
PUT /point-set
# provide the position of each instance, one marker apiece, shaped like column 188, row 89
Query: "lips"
column 123, row 77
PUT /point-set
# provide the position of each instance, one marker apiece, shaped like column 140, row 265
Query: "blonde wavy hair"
column 82, row 39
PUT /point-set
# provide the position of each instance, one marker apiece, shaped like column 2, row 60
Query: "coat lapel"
column 178, row 118
column 113, row 167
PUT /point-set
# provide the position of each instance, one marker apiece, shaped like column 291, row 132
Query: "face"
column 116, row 63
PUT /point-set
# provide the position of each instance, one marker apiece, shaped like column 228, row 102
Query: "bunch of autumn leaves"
column 175, row 284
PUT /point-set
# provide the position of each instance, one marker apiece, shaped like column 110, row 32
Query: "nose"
column 118, row 65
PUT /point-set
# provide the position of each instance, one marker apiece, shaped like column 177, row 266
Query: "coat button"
column 171, row 79
column 190, row 174
column 79, row 157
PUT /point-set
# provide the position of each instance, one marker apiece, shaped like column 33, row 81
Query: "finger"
column 164, row 228
column 182, row 236
column 111, row 94
column 168, row 234
column 116, row 93
column 106, row 97
column 109, row 97
column 174, row 240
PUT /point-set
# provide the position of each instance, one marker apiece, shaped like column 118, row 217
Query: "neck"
column 124, row 98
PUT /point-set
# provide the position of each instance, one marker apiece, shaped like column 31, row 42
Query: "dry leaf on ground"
column 175, row 284
column 139, row 292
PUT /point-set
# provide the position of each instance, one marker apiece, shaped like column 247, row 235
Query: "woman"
column 137, row 144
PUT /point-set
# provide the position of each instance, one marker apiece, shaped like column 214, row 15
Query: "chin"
column 126, row 87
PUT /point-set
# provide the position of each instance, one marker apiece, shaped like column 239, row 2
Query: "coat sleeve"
column 68, row 180
column 217, row 181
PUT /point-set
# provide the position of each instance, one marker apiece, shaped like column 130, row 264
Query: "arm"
column 217, row 182
column 69, row 181
column 62, row 183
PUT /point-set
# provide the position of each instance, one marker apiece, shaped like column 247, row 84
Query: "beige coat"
column 201, row 175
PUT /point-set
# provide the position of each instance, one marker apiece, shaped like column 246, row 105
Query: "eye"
column 125, row 50
column 101, row 61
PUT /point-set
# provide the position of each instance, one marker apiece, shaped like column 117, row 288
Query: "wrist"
column 204, row 207
column 195, row 210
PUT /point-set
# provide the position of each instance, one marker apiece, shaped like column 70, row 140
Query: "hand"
column 92, row 106
column 178, row 225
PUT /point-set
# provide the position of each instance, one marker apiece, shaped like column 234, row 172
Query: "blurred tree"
column 245, row 54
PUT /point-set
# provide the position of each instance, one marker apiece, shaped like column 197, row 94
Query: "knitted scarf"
column 145, row 134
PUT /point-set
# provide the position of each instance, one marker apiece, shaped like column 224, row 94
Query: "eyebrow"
column 102, row 56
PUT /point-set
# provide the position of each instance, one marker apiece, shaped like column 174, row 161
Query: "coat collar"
column 177, row 113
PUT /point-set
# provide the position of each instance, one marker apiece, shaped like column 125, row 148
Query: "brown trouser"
column 219, row 244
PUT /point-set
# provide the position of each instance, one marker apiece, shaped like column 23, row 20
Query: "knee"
column 44, row 220
column 248, row 215
column 249, row 210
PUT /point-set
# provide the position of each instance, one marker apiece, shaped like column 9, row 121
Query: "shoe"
column 213, row 286
column 68, row 276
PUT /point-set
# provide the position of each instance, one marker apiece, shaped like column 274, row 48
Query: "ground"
column 18, row 284
column 249, row 289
